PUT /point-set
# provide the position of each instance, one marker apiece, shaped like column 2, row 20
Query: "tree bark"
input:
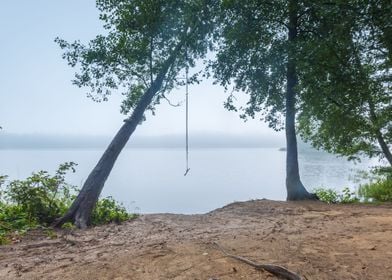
column 384, row 147
column 380, row 139
column 294, row 186
column 80, row 211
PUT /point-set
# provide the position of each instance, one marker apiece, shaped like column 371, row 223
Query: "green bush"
column 333, row 196
column 41, row 198
column 379, row 185
column 108, row 210
column 327, row 195
column 380, row 190
column 348, row 196
column 13, row 222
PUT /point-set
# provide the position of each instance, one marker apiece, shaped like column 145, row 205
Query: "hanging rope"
column 186, row 115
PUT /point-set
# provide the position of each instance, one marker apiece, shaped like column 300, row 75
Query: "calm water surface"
column 151, row 180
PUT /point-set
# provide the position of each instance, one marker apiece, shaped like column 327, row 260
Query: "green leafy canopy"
column 141, row 36
column 346, row 93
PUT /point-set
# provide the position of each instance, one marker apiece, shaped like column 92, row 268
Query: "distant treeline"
column 216, row 140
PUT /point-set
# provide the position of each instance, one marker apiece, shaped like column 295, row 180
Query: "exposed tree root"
column 271, row 268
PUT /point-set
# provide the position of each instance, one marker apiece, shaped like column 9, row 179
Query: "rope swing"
column 186, row 115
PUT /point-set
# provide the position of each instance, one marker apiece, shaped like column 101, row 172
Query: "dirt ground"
column 315, row 240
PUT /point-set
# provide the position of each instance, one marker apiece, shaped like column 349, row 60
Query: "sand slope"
column 316, row 240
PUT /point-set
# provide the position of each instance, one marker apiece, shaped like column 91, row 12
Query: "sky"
column 37, row 96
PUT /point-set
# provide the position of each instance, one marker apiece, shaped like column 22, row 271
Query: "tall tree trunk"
column 380, row 139
column 295, row 188
column 82, row 207
column 384, row 147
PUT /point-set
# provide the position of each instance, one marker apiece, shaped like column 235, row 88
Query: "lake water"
column 151, row 180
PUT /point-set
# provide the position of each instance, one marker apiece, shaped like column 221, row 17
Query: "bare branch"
column 271, row 268
column 170, row 103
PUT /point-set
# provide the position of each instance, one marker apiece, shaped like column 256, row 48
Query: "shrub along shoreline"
column 40, row 199
column 377, row 189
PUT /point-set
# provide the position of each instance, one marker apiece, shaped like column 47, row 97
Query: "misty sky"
column 36, row 94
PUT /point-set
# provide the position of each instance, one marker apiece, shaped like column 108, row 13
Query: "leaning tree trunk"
column 380, row 138
column 384, row 147
column 295, row 188
column 80, row 211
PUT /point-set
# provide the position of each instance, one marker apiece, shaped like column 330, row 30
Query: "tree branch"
column 271, row 268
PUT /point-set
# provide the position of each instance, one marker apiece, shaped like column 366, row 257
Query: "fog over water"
column 196, row 140
column 148, row 175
